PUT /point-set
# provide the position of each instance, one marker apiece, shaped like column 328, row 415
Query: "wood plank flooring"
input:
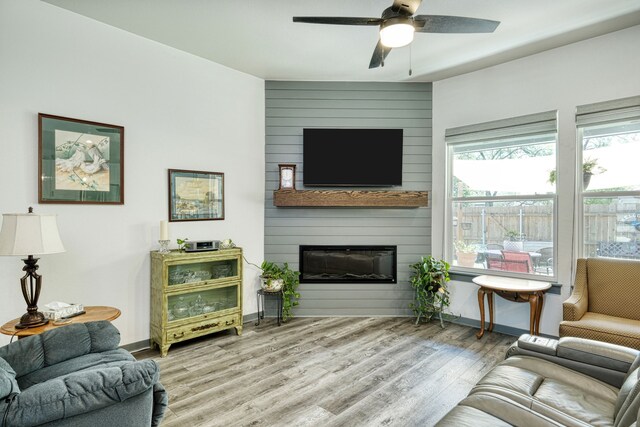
column 325, row 372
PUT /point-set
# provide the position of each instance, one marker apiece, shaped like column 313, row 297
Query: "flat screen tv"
column 352, row 157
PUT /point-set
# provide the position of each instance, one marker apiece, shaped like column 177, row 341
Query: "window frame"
column 489, row 131
column 589, row 115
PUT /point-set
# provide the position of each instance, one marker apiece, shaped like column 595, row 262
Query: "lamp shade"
column 396, row 33
column 29, row 234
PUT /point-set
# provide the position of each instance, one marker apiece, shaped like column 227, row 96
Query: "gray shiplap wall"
column 292, row 106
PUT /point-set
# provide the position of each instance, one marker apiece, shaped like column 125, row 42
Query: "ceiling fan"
column 398, row 25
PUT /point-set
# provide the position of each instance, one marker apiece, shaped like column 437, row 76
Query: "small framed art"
column 195, row 195
column 80, row 161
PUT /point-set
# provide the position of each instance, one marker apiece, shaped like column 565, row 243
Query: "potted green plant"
column 429, row 279
column 182, row 244
column 589, row 168
column 466, row 253
column 277, row 278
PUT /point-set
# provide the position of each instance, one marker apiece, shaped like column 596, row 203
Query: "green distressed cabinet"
column 194, row 294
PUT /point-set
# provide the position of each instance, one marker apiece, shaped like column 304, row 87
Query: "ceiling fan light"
column 396, row 35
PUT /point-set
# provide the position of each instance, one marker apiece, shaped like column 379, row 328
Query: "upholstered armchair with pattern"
column 605, row 303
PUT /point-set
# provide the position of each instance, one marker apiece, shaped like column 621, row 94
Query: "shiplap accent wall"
column 292, row 106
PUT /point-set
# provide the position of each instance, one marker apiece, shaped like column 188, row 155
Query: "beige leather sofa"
column 605, row 303
column 570, row 382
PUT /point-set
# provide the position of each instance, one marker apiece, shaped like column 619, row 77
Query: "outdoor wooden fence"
column 602, row 223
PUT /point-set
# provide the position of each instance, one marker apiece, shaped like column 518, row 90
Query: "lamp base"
column 31, row 320
column 31, row 291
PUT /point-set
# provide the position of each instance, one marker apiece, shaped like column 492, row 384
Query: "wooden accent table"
column 516, row 290
column 93, row 313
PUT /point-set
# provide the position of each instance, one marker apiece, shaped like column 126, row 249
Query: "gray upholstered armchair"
column 77, row 376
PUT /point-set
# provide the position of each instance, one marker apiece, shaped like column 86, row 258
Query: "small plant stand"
column 426, row 315
column 261, row 302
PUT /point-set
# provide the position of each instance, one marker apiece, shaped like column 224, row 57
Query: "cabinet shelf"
column 350, row 198
column 194, row 294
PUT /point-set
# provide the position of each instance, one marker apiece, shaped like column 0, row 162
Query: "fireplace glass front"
column 348, row 264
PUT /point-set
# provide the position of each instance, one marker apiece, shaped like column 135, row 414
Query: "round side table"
column 511, row 289
column 92, row 313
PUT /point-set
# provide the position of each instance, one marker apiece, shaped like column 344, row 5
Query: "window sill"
column 466, row 276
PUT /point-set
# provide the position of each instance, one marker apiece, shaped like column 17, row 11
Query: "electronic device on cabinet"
column 202, row 245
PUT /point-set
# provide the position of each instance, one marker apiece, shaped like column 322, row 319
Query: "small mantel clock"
column 287, row 177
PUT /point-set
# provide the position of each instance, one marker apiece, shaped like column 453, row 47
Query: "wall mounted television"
column 352, row 157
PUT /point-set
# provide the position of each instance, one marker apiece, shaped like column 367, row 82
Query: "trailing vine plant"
column 291, row 280
column 429, row 280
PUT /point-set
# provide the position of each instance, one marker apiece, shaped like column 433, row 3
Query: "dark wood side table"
column 93, row 313
column 516, row 290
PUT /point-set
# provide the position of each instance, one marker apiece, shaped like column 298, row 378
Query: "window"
column 501, row 198
column 609, row 180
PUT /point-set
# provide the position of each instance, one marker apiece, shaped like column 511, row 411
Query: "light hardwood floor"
column 325, row 372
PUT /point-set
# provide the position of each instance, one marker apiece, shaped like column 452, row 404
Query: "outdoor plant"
column 589, row 167
column 429, row 279
column 291, row 280
column 512, row 235
column 464, row 248
column 465, row 253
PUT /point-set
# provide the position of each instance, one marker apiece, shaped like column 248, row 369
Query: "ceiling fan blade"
column 408, row 6
column 379, row 54
column 337, row 20
column 453, row 24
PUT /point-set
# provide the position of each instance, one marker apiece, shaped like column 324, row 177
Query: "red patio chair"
column 517, row 261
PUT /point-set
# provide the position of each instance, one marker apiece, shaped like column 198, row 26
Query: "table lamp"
column 28, row 235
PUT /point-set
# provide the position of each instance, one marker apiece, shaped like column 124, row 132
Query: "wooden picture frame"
column 195, row 195
column 80, row 161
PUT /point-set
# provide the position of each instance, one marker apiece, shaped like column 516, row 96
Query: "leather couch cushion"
column 468, row 416
column 607, row 355
column 628, row 403
column 565, row 396
column 492, row 409
column 601, row 327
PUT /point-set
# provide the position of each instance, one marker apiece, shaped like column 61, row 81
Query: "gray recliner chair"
column 77, row 376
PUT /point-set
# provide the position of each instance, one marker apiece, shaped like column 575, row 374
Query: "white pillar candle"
column 164, row 230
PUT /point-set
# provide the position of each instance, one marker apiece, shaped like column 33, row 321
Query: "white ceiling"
column 258, row 36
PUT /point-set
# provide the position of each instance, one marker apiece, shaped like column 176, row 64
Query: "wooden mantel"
column 350, row 198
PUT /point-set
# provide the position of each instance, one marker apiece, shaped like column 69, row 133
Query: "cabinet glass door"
column 202, row 271
column 197, row 303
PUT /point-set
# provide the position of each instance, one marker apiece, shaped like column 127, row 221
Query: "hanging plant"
column 589, row 168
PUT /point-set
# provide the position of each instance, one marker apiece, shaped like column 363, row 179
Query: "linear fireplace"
column 348, row 264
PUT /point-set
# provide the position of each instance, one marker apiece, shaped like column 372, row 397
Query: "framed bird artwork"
column 79, row 161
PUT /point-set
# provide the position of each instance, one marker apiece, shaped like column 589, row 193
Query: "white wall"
column 594, row 70
column 179, row 111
